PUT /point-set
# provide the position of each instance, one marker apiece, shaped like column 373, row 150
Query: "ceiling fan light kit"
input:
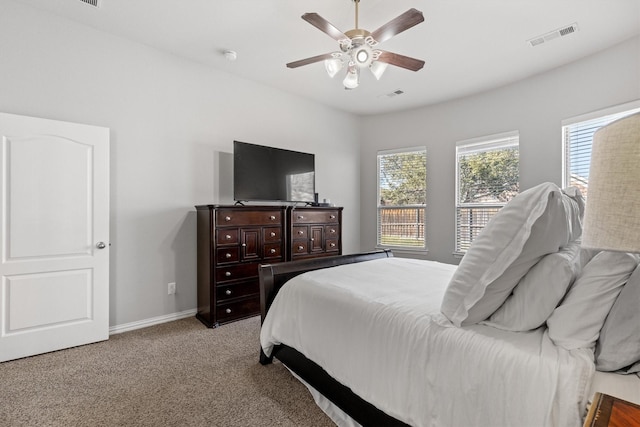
column 357, row 47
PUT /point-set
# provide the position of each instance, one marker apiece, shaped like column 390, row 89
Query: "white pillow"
column 532, row 224
column 541, row 290
column 577, row 321
column 574, row 206
column 619, row 343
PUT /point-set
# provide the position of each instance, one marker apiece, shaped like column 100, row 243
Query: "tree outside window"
column 402, row 177
column 487, row 172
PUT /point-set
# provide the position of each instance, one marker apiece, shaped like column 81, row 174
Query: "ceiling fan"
column 358, row 47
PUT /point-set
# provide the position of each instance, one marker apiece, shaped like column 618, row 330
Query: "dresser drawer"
column 231, row 254
column 236, row 272
column 332, row 231
column 228, row 236
column 272, row 234
column 300, row 232
column 237, row 309
column 331, row 245
column 233, row 217
column 237, row 290
column 272, row 251
column 313, row 217
column 300, row 248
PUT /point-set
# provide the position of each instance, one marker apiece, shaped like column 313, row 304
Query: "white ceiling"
column 469, row 45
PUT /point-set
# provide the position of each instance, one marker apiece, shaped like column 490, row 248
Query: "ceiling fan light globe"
column 378, row 68
column 351, row 81
column 333, row 66
column 362, row 55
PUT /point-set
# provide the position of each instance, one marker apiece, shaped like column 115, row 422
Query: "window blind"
column 402, row 198
column 578, row 138
column 487, row 177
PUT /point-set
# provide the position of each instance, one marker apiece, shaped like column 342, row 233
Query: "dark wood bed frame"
column 272, row 277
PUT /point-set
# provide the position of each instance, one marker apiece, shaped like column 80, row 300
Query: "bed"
column 381, row 340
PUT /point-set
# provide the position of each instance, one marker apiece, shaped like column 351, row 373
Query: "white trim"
column 485, row 140
column 473, row 146
column 118, row 329
column 404, row 249
column 601, row 113
column 414, row 149
column 594, row 115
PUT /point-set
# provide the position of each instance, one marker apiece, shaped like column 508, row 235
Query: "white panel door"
column 54, row 235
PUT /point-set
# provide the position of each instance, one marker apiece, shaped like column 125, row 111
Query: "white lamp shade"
column 612, row 215
column 333, row 65
column 377, row 68
column 351, row 81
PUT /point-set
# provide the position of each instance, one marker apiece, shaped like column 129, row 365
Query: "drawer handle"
column 333, row 245
column 244, row 245
column 272, row 217
column 300, row 248
column 228, row 311
column 273, row 234
column 227, row 274
column 228, row 237
column 301, row 232
column 227, row 218
column 312, row 239
column 332, row 231
column 273, row 251
column 332, row 217
column 228, row 292
column 300, row 217
column 227, row 255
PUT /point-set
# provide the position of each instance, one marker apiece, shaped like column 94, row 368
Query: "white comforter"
column 376, row 327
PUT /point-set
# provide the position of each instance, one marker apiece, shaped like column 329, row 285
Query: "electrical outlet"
column 171, row 288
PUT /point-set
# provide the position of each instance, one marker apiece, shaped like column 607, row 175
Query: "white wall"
column 169, row 118
column 535, row 107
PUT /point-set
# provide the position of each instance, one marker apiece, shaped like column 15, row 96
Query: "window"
column 577, row 136
column 487, row 177
column 402, row 183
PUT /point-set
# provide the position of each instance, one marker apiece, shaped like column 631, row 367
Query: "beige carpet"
column 175, row 374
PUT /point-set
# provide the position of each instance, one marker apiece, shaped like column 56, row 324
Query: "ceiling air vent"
column 94, row 3
column 560, row 32
column 391, row 94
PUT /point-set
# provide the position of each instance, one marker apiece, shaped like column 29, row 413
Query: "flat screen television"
column 263, row 173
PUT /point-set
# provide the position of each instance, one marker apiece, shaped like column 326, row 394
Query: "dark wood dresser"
column 233, row 240
column 314, row 232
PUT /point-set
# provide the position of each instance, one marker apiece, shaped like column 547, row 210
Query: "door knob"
column 101, row 245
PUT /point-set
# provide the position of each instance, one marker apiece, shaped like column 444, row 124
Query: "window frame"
column 401, row 248
column 628, row 107
column 488, row 142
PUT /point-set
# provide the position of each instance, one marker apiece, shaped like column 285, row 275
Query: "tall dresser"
column 233, row 240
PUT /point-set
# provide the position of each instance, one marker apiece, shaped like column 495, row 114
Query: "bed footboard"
column 273, row 276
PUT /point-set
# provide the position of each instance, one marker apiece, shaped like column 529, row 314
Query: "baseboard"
column 118, row 329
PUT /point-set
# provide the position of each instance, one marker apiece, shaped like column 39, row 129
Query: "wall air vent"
column 560, row 32
column 94, row 3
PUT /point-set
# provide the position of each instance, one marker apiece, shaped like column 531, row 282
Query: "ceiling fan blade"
column 323, row 25
column 402, row 23
column 311, row 60
column 401, row 61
